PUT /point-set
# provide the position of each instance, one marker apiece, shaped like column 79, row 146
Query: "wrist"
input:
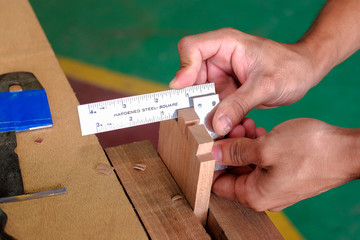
column 348, row 141
column 320, row 59
column 355, row 152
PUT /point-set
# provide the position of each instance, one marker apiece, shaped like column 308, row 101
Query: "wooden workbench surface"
column 95, row 206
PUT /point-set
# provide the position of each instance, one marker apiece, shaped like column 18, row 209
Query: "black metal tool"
column 34, row 195
column 10, row 174
column 11, row 183
column 26, row 80
column 3, row 220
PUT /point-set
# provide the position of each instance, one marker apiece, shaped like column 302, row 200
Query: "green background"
column 140, row 38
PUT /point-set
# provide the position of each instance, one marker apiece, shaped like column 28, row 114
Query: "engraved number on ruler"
column 137, row 110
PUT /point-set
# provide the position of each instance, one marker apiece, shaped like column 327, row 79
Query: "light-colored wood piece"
column 187, row 118
column 104, row 169
column 154, row 193
column 185, row 147
column 229, row 220
column 95, row 206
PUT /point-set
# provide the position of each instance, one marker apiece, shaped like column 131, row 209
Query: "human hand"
column 248, row 72
column 246, row 129
column 298, row 159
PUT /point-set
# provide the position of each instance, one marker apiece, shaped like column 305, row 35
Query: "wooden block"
column 151, row 192
column 187, row 117
column 200, row 140
column 189, row 159
column 229, row 220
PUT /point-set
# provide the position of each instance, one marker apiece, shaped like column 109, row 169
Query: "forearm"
column 334, row 36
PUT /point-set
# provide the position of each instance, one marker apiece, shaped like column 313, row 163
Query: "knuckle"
column 249, row 196
column 240, row 107
column 262, row 157
column 228, row 33
column 264, row 153
column 184, row 42
column 228, row 29
column 235, row 153
column 257, row 204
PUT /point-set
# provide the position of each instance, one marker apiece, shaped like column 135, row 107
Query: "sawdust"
column 139, row 166
column 104, row 169
column 39, row 140
column 177, row 197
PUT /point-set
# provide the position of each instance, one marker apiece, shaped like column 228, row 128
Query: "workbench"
column 95, row 205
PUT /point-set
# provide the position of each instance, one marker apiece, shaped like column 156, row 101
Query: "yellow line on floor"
column 104, row 78
column 131, row 85
column 285, row 227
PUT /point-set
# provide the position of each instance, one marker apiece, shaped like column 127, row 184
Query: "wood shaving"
column 39, row 140
column 139, row 166
column 177, row 197
column 104, row 169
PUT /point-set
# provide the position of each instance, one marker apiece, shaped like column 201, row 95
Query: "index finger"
column 193, row 50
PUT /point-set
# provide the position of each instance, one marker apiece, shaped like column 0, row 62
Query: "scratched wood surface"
column 185, row 147
column 152, row 192
column 95, row 206
column 229, row 220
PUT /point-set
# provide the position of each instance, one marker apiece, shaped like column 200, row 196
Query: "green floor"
column 140, row 38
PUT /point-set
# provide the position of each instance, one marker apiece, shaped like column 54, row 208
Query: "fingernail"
column 225, row 124
column 216, row 151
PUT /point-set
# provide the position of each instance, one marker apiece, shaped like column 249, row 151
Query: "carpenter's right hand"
column 248, row 72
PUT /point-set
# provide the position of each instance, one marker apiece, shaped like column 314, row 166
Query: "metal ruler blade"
column 35, row 195
column 142, row 109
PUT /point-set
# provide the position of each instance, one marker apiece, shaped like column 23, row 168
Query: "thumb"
column 236, row 151
column 233, row 108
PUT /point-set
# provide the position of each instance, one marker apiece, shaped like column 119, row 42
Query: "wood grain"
column 95, row 206
column 230, row 220
column 185, row 147
column 154, row 193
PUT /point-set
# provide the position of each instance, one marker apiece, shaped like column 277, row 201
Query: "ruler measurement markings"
column 138, row 110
